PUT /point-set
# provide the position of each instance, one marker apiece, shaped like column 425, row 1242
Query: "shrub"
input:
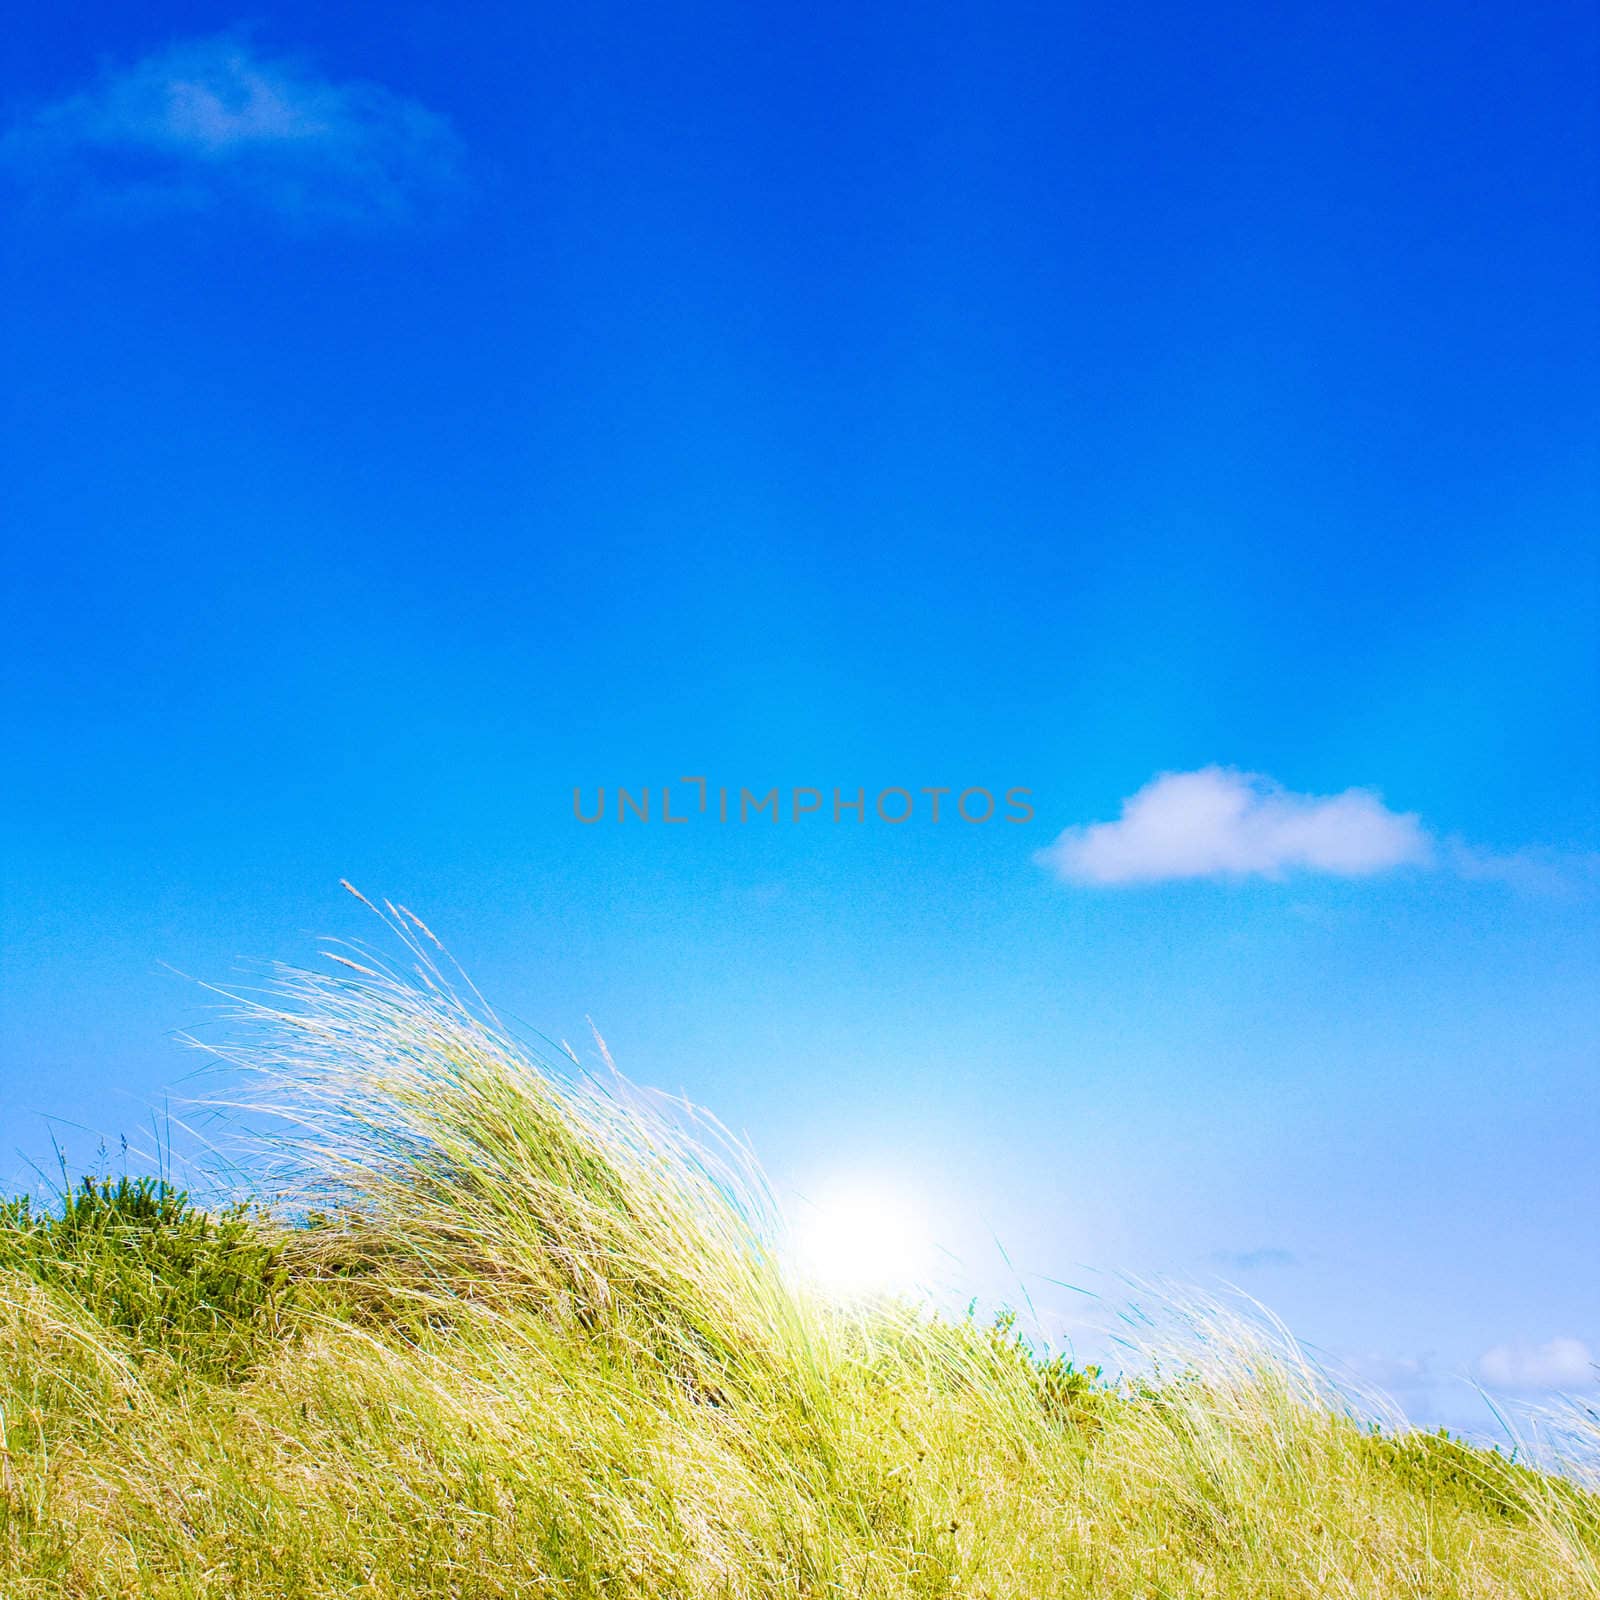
column 1442, row 1468
column 1074, row 1394
column 143, row 1259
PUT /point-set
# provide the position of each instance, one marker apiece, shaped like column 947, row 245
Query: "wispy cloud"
column 1219, row 822
column 214, row 120
column 1560, row 1364
column 1255, row 1260
column 1530, row 871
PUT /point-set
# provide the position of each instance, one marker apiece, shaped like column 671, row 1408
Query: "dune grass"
column 508, row 1330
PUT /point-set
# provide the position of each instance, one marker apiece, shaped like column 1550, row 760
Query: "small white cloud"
column 211, row 120
column 1219, row 822
column 1560, row 1364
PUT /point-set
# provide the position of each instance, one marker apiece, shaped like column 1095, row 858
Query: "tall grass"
column 533, row 1332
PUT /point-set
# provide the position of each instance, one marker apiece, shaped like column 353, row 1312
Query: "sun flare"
column 861, row 1239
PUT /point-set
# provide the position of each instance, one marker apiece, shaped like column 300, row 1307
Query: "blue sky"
column 416, row 416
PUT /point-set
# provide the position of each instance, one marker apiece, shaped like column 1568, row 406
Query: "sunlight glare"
column 858, row 1239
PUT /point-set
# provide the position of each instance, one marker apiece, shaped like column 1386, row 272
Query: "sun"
column 858, row 1239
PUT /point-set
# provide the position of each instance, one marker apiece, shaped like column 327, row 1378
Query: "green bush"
column 143, row 1259
column 1074, row 1394
column 1443, row 1468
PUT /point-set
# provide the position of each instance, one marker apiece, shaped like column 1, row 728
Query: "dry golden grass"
column 540, row 1339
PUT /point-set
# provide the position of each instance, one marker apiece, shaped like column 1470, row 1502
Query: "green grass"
column 508, row 1331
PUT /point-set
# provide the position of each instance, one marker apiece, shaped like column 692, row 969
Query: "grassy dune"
column 508, row 1331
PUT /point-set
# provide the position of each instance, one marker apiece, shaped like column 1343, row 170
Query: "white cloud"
column 211, row 120
column 1219, row 822
column 1560, row 1364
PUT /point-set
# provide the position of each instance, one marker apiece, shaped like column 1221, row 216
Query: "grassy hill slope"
column 514, row 1332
